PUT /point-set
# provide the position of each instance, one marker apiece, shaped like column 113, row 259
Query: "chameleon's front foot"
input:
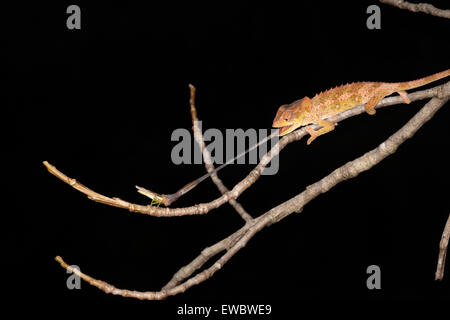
column 313, row 134
column 404, row 96
column 370, row 111
column 327, row 126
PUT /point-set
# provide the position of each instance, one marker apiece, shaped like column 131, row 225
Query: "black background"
column 101, row 103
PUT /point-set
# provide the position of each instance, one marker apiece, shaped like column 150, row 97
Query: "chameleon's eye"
column 288, row 117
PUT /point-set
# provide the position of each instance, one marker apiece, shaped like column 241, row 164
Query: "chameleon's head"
column 291, row 116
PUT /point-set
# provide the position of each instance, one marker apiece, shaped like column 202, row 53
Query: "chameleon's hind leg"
column 370, row 105
column 327, row 127
column 404, row 96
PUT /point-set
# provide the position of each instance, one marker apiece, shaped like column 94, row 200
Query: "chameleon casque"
column 326, row 105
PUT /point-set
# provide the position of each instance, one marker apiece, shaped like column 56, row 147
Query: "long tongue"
column 168, row 199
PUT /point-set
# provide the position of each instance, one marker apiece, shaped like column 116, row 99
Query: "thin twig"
column 443, row 251
column 198, row 136
column 295, row 204
column 419, row 7
column 251, row 178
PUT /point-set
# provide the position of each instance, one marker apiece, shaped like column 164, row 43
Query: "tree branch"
column 419, row 7
column 443, row 251
column 239, row 239
column 198, row 136
column 251, row 178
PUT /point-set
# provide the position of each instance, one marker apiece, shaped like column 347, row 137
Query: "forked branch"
column 184, row 278
column 239, row 188
column 198, row 136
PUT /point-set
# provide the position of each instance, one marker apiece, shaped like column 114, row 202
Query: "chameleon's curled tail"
column 423, row 81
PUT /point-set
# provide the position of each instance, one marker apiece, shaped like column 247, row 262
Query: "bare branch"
column 251, row 178
column 205, row 256
column 240, row 238
column 443, row 251
column 419, row 7
column 198, row 136
column 170, row 288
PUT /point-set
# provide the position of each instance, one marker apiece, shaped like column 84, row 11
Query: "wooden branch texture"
column 443, row 245
column 198, row 136
column 184, row 278
column 243, row 185
column 419, row 7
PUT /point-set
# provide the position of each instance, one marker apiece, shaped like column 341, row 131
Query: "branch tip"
column 156, row 198
column 62, row 262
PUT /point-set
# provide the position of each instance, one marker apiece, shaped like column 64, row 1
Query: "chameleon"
column 327, row 104
column 323, row 106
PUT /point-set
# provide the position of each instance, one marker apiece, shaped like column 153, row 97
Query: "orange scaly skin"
column 331, row 102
